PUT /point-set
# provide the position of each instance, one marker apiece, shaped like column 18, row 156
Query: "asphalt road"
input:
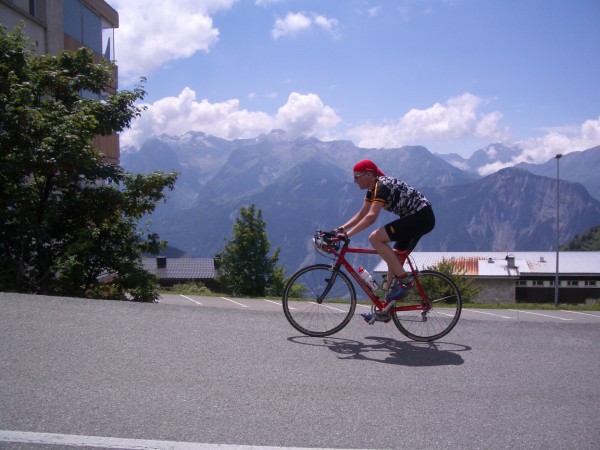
column 232, row 371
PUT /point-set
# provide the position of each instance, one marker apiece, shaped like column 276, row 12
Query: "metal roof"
column 494, row 264
column 182, row 268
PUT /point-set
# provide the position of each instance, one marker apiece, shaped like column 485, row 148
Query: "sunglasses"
column 358, row 175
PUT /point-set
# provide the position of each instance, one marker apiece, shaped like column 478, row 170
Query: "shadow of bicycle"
column 391, row 351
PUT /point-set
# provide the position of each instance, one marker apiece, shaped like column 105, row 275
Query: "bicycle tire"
column 313, row 305
column 446, row 306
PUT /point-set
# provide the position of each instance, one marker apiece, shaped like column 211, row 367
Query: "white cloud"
column 306, row 115
column 266, row 2
column 329, row 25
column 564, row 139
column 303, row 115
column 294, row 23
column 151, row 33
column 457, row 119
column 541, row 149
column 374, row 11
column 291, row 24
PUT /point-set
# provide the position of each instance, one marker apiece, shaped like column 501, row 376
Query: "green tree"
column 457, row 274
column 67, row 219
column 586, row 242
column 245, row 266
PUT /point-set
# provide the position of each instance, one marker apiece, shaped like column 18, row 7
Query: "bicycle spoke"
column 322, row 304
column 445, row 307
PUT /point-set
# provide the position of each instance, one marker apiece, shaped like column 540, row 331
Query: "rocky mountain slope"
column 302, row 185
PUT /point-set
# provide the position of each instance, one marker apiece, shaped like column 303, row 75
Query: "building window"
column 83, row 25
column 590, row 283
column 521, row 283
column 108, row 42
column 572, row 283
column 538, row 282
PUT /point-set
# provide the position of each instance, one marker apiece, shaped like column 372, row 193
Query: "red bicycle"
column 320, row 300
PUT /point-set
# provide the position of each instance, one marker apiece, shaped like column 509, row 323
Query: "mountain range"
column 302, row 185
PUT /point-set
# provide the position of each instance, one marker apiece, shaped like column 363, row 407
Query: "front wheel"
column 445, row 304
column 319, row 300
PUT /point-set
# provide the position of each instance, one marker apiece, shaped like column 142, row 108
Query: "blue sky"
column 453, row 75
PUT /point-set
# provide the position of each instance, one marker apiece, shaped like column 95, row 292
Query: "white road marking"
column 233, row 301
column 272, row 301
column 276, row 303
column 582, row 313
column 330, row 307
column 538, row 314
column 489, row 314
column 190, row 299
column 63, row 440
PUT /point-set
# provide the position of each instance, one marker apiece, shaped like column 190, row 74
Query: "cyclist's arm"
column 358, row 216
column 364, row 218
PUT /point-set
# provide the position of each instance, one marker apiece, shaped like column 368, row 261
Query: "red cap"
column 367, row 166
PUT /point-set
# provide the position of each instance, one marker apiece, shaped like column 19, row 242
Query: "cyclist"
column 416, row 219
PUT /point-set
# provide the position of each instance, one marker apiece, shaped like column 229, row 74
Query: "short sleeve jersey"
column 396, row 196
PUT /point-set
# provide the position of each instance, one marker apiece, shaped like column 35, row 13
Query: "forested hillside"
column 586, row 242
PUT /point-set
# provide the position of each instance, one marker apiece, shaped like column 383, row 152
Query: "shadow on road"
column 391, row 351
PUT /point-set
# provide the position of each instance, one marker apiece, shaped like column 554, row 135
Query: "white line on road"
column 190, row 299
column 277, row 303
column 489, row 314
column 330, row 307
column 71, row 440
column 582, row 313
column 233, row 301
column 538, row 314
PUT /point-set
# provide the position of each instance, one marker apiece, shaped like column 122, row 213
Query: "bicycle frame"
column 429, row 311
column 340, row 260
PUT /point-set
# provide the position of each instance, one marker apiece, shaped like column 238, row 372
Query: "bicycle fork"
column 330, row 283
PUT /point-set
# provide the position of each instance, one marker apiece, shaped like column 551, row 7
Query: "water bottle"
column 367, row 278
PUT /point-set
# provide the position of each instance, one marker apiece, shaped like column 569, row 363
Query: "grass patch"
column 188, row 289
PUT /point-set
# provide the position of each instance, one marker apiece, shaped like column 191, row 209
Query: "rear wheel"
column 319, row 300
column 445, row 307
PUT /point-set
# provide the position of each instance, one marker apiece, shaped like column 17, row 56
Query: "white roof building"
column 496, row 264
column 505, row 277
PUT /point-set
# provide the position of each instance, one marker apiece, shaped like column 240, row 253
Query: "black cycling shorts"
column 407, row 231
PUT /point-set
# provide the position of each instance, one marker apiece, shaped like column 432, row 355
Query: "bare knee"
column 378, row 237
column 373, row 238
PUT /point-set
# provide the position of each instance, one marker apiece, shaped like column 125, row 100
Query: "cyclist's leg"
column 406, row 232
column 404, row 246
column 380, row 241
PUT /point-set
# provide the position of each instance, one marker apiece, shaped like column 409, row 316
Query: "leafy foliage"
column 67, row 219
column 245, row 267
column 586, row 242
column 457, row 274
column 191, row 288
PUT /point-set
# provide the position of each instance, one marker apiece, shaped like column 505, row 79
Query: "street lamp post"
column 558, row 156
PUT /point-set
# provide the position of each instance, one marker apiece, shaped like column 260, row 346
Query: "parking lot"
column 559, row 315
column 212, row 372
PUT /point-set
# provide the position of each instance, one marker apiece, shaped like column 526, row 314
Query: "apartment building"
column 57, row 25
